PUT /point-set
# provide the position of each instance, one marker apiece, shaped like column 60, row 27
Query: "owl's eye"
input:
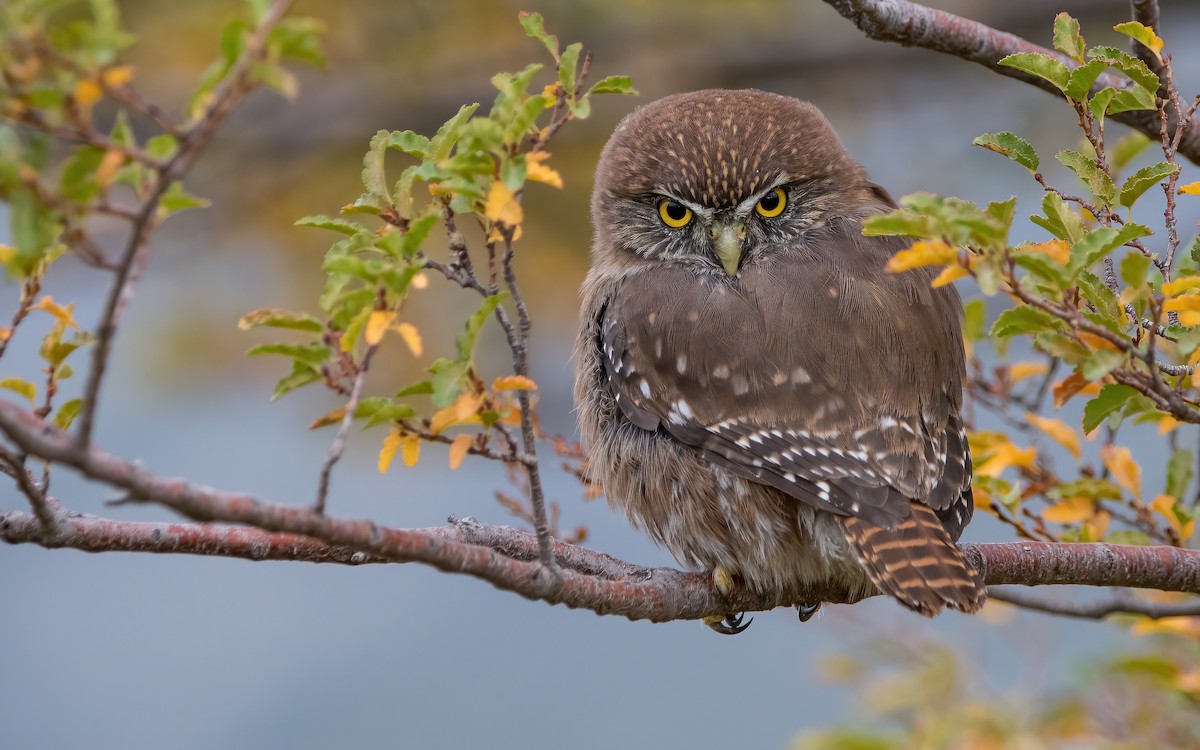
column 673, row 213
column 772, row 204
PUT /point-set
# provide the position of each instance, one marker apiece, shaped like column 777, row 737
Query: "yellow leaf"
column 1165, row 505
column 1019, row 371
column 1058, row 250
column 514, row 383
column 377, row 325
column 7, row 253
column 1189, row 318
column 466, row 406
column 1172, row 288
column 1058, row 431
column 1004, row 456
column 1125, row 471
column 930, row 253
column 538, row 172
column 64, row 314
column 948, row 276
column 1071, row 385
column 87, row 93
column 1071, row 510
column 112, row 161
column 23, row 387
column 412, row 450
column 1167, row 424
column 1188, row 302
column 441, row 419
column 332, row 417
column 391, row 444
column 118, row 75
column 1097, row 342
column 497, row 236
column 458, row 450
column 1192, row 188
column 5, row 334
column 1097, row 526
column 411, row 336
column 502, row 207
column 420, row 281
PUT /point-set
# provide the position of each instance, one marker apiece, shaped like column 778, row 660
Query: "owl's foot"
column 806, row 611
column 728, row 624
column 723, row 580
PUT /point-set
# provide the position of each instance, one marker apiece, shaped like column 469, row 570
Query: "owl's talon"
column 723, row 580
column 728, row 624
column 806, row 611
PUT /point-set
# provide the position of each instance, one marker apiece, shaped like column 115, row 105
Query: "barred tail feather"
column 917, row 563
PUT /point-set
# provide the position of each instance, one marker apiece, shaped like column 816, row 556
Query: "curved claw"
column 806, row 611
column 729, row 624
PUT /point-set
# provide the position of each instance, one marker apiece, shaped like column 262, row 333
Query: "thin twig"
column 339, row 440
column 1120, row 603
column 37, row 499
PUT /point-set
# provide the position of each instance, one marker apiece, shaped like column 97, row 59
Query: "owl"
column 758, row 393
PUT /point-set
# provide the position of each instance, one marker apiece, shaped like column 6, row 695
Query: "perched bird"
column 757, row 392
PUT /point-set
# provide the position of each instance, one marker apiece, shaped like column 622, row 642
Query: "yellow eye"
column 772, row 204
column 673, row 213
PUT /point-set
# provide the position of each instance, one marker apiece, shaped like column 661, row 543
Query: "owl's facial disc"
column 727, row 239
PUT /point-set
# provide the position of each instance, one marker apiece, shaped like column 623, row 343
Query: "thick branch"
column 507, row 558
column 914, row 25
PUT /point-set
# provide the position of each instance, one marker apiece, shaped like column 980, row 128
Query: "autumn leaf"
column 1071, row 510
column 538, row 172
column 1180, row 285
column 1058, row 431
column 502, row 207
column 948, row 275
column 118, row 75
column 377, row 325
column 411, row 336
column 1006, row 455
column 467, row 405
column 332, row 417
column 420, row 281
column 87, row 93
column 1070, row 386
column 514, row 383
column 412, row 450
column 65, row 314
column 925, row 253
column 458, row 450
column 1188, row 303
column 1057, row 250
column 1192, row 188
column 391, row 444
column 1125, row 471
column 1019, row 371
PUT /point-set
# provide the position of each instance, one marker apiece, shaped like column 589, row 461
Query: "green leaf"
column 377, row 410
column 1110, row 399
column 613, row 85
column 1042, row 268
column 1100, row 363
column 1143, row 35
column 567, row 68
column 409, row 142
column 276, row 318
column 1003, row 212
column 535, row 29
column 1060, row 220
column 1179, row 472
column 301, row 375
column 23, row 387
column 1100, row 102
column 77, row 182
column 1100, row 242
column 1092, row 489
column 67, row 412
column 1136, row 98
column 1127, row 64
column 1019, row 320
column 418, row 230
column 449, row 380
column 374, row 178
column 162, row 147
column 298, row 39
column 1126, row 149
column 1067, row 38
column 1039, row 66
column 974, row 319
column 1129, row 536
column 341, row 226
column 1143, row 179
column 1012, row 146
column 1090, row 172
column 420, row 388
column 465, row 343
column 1062, row 346
column 1134, row 268
column 447, row 135
column 1081, row 80
column 901, row 223
column 175, row 200
column 309, row 354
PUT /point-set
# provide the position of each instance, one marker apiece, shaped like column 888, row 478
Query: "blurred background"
column 183, row 652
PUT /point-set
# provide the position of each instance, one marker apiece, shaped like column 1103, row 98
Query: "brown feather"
column 916, row 563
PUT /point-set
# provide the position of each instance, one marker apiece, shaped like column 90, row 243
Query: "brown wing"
column 837, row 383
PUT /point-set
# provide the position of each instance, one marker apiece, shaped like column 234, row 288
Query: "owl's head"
column 712, row 178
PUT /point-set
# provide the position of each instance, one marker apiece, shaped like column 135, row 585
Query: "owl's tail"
column 917, row 563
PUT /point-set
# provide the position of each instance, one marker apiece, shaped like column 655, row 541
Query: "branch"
column 914, row 25
column 507, row 558
column 191, row 143
column 1121, row 603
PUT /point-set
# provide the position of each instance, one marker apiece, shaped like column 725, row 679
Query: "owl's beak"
column 727, row 244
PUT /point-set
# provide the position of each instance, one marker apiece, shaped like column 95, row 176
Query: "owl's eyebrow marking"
column 747, row 205
column 697, row 208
